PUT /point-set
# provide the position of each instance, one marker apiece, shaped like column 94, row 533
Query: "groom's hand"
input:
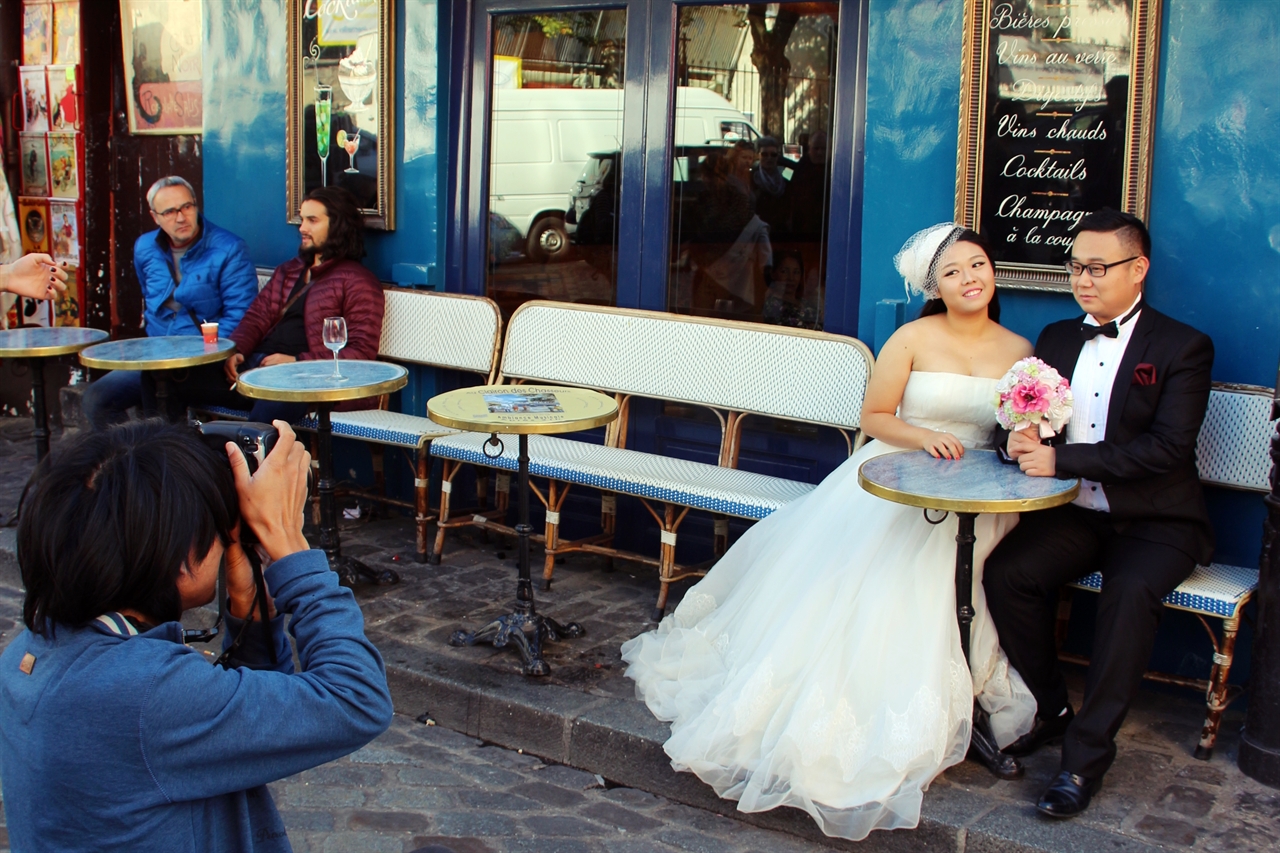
column 1021, row 442
column 1039, row 462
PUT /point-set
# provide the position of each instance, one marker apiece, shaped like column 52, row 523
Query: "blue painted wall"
column 244, row 139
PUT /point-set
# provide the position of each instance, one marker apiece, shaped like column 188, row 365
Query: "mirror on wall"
column 341, row 113
column 1057, row 114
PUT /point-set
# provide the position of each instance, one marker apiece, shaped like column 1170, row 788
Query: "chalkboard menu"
column 1055, row 122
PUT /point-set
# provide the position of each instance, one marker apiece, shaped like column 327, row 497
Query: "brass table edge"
column 963, row 505
column 332, row 395
column 46, row 352
column 156, row 364
column 544, row 428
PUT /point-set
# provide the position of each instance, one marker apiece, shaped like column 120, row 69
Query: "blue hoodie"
column 219, row 281
column 125, row 741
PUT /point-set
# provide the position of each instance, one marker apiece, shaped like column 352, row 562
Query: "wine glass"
column 335, row 338
column 352, row 146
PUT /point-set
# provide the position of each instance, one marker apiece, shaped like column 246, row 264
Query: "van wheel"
column 548, row 241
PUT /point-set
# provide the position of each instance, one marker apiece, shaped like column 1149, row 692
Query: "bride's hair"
column 937, row 306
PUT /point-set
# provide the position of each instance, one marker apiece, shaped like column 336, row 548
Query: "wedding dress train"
column 818, row 664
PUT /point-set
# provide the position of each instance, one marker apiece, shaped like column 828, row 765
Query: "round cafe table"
column 34, row 345
column 521, row 410
column 314, row 382
column 975, row 483
column 159, row 354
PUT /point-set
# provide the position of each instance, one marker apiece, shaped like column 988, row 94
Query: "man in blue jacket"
column 191, row 272
column 114, row 734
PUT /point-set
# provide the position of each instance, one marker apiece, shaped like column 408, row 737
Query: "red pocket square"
column 1144, row 374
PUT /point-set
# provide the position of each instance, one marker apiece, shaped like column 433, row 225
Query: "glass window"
column 751, row 180
column 555, row 136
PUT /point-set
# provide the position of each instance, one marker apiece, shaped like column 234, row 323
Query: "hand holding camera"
column 273, row 497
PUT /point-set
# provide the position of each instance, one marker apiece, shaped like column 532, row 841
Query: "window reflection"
column 554, row 155
column 751, row 179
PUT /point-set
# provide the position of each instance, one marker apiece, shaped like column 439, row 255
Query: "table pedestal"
column 524, row 627
column 39, row 412
column 348, row 568
column 982, row 743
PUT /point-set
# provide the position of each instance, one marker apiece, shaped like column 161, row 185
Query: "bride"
column 818, row 665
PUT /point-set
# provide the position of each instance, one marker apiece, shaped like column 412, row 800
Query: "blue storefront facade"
column 893, row 126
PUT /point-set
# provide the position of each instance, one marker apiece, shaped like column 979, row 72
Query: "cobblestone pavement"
column 418, row 782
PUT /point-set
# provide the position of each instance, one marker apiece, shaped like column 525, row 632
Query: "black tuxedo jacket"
column 1147, row 459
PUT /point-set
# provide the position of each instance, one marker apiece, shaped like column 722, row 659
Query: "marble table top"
column 517, row 409
column 45, row 342
column 159, row 353
column 977, row 482
column 314, row 382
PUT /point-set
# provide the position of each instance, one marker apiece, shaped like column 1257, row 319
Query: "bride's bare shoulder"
column 1016, row 345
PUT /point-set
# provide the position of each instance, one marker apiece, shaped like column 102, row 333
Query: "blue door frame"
column 644, row 203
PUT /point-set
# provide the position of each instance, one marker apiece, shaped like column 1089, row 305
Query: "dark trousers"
column 1022, row 579
column 207, row 385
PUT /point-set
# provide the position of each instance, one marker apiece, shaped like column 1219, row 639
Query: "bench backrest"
column 1234, row 445
column 442, row 330
column 775, row 371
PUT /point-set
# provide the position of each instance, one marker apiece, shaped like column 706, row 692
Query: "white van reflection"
column 541, row 140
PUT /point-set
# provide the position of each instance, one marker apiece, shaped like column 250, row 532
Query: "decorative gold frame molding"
column 1139, row 140
column 383, row 216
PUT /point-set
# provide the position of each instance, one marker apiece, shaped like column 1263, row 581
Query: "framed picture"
column 34, row 95
column 37, row 34
column 35, row 164
column 64, row 231
column 341, row 110
column 33, row 223
column 64, row 98
column 163, row 69
column 1057, row 118
column 64, row 165
column 66, row 33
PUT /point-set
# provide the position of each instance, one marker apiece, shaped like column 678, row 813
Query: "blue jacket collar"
column 197, row 245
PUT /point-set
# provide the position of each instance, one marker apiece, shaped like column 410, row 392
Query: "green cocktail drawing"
column 324, row 112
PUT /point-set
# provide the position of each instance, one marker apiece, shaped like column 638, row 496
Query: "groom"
column 1141, row 384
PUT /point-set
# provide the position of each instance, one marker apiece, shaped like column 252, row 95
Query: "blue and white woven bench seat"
column 1214, row 590
column 726, row 491
column 224, row 412
column 382, row 427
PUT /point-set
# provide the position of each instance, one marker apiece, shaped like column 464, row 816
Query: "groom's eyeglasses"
column 1095, row 270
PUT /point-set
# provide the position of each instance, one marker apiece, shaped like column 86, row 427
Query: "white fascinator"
column 917, row 260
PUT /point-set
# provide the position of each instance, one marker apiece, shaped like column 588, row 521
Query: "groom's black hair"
column 1130, row 230
column 937, row 306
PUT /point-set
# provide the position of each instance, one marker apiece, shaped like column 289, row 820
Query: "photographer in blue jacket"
column 114, row 734
column 191, row 272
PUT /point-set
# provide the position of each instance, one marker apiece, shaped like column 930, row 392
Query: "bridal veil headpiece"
column 917, row 260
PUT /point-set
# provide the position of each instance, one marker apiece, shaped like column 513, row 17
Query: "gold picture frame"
column 342, row 58
column 1057, row 118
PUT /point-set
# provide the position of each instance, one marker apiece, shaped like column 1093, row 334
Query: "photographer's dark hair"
column 109, row 520
column 346, row 223
column 937, row 306
column 1128, row 228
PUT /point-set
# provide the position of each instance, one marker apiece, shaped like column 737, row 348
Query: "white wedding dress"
column 818, row 665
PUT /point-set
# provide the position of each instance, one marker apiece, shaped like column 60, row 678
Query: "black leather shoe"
column 983, row 749
column 1068, row 795
column 1042, row 732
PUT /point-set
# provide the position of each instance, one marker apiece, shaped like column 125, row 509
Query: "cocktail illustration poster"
column 163, row 69
column 339, row 98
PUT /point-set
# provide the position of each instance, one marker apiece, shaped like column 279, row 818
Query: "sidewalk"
column 1156, row 797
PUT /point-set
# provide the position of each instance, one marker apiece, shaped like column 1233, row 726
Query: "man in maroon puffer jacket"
column 286, row 321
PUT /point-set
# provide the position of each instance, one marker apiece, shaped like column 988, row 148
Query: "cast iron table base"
column 525, row 627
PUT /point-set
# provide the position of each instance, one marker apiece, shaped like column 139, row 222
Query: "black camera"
column 254, row 440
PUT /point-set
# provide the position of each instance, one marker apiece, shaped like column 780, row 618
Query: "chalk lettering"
column 1011, row 207
column 339, row 9
column 1058, row 59
column 1009, row 127
column 1080, row 93
column 1066, row 131
column 1063, row 24
column 1008, row 54
column 1099, row 58
column 1048, row 169
column 1003, row 18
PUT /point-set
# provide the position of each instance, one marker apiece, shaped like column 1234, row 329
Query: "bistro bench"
column 735, row 369
column 418, row 327
column 1231, row 451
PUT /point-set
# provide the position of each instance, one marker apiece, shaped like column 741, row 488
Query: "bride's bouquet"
column 1033, row 394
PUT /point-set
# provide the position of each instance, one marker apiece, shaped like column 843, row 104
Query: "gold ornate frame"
column 382, row 215
column 1140, row 130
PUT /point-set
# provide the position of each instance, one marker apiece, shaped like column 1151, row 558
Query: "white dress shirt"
column 1091, row 384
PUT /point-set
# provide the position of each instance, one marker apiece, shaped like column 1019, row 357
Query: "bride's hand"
column 942, row 445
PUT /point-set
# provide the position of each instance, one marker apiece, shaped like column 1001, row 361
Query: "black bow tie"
column 1109, row 330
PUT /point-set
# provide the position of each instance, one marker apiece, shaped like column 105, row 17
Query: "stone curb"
column 620, row 741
